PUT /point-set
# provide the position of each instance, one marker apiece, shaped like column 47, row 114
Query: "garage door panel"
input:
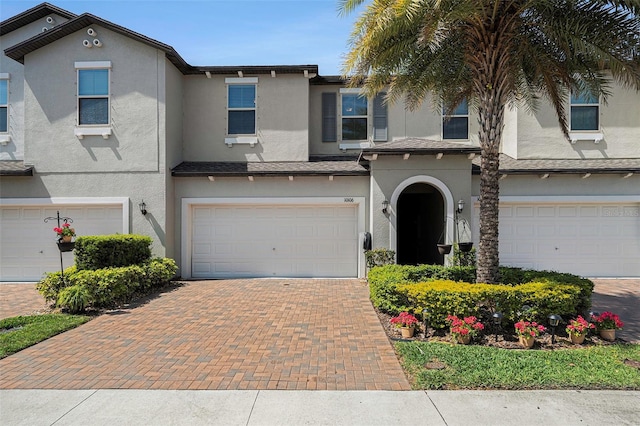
column 28, row 245
column 278, row 240
column 600, row 240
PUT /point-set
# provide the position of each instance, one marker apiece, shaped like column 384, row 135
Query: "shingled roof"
column 31, row 15
column 420, row 146
column 511, row 166
column 15, row 168
column 316, row 166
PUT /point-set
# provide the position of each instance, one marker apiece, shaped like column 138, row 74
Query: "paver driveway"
column 231, row 334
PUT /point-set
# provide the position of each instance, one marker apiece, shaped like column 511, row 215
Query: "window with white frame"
column 93, row 93
column 4, row 104
column 455, row 125
column 355, row 114
column 241, row 109
column 585, row 112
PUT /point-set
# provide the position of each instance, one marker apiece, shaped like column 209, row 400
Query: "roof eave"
column 32, row 15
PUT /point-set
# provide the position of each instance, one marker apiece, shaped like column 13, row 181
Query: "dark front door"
column 420, row 225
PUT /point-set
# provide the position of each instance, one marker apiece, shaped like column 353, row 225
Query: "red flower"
column 405, row 319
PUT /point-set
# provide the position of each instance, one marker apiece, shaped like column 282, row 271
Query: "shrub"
column 75, row 298
column 103, row 251
column 107, row 287
column 379, row 257
column 461, row 258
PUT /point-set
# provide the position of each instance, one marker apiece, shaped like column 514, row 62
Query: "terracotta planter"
column 463, row 339
column 527, row 342
column 407, row 332
column 577, row 339
column 609, row 335
column 66, row 238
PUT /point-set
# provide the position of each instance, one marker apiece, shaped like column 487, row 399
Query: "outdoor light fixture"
column 460, row 206
column 497, row 319
column 143, row 208
column 554, row 320
column 385, row 206
column 425, row 318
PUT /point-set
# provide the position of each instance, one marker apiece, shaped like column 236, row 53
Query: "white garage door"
column 282, row 241
column 28, row 245
column 593, row 240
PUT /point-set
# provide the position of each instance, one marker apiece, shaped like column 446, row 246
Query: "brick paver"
column 621, row 297
column 231, row 334
column 20, row 299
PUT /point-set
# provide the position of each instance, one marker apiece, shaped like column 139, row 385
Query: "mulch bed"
column 506, row 338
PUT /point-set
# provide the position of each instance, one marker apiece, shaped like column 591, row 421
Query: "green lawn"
column 17, row 333
column 481, row 367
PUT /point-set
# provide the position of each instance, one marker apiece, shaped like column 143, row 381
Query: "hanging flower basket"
column 64, row 247
column 465, row 247
column 444, row 248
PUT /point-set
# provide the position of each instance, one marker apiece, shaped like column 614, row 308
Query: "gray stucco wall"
column 282, row 119
column 132, row 162
column 389, row 172
column 14, row 150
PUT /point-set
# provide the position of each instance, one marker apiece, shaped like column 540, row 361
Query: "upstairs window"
column 4, row 105
column 93, row 96
column 241, row 109
column 456, row 125
column 585, row 112
column 354, row 117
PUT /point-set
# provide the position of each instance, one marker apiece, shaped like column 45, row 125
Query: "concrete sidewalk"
column 249, row 408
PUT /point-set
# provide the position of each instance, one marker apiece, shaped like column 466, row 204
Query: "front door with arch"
column 423, row 209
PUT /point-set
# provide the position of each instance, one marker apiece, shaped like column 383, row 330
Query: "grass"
column 482, row 367
column 18, row 333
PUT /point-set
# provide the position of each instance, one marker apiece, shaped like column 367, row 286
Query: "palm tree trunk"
column 491, row 125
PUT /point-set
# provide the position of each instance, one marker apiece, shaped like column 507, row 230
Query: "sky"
column 228, row 32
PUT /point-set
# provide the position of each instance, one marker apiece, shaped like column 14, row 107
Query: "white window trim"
column 242, row 139
column 444, row 116
column 5, row 137
column 587, row 135
column 83, row 130
column 354, row 143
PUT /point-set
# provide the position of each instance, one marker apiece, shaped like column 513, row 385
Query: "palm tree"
column 494, row 53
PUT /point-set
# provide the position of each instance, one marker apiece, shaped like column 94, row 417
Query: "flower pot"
column 609, row 335
column 527, row 341
column 463, row 339
column 407, row 332
column 64, row 247
column 66, row 238
column 577, row 339
column 444, row 248
column 465, row 247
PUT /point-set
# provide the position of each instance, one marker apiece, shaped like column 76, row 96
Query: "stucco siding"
column 51, row 106
column 539, row 134
column 14, row 150
column 282, row 122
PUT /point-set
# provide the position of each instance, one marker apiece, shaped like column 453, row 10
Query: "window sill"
column 596, row 137
column 356, row 145
column 5, row 139
column 241, row 140
column 81, row 132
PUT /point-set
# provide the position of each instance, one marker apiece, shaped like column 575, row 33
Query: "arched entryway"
column 421, row 225
column 422, row 216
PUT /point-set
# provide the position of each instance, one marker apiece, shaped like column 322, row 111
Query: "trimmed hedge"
column 106, row 287
column 104, row 251
column 550, row 294
column 463, row 299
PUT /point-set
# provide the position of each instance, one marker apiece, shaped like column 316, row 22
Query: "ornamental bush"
column 106, row 287
column 546, row 292
column 104, row 251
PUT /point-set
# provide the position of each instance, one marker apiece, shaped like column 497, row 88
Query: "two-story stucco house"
column 280, row 171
